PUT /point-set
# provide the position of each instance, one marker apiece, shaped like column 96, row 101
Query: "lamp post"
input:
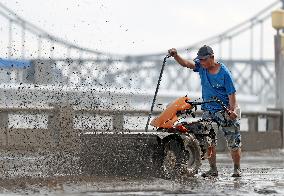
column 278, row 23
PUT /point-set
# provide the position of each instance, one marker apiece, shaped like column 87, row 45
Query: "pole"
column 279, row 81
column 156, row 92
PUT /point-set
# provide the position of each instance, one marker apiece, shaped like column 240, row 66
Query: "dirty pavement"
column 58, row 174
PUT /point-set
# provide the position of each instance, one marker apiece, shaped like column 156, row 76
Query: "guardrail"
column 59, row 128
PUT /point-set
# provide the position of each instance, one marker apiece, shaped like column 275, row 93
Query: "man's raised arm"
column 183, row 62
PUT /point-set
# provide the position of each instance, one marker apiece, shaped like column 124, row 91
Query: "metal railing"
column 61, row 129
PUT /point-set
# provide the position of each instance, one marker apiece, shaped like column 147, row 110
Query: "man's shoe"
column 211, row 172
column 237, row 173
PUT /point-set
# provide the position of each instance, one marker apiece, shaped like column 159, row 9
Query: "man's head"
column 206, row 56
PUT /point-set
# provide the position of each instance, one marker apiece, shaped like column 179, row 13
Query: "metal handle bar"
column 214, row 99
column 156, row 91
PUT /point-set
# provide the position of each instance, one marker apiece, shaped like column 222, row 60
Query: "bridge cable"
column 40, row 32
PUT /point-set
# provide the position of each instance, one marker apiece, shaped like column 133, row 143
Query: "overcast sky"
column 136, row 26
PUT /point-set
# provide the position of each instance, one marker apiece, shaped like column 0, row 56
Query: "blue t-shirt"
column 219, row 85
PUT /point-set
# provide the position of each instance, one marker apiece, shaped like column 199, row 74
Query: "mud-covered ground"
column 58, row 174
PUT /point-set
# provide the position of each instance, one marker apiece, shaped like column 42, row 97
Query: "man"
column 216, row 81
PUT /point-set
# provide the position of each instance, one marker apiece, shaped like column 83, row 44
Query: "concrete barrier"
column 60, row 132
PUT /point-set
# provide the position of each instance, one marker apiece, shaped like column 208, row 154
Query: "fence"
column 59, row 129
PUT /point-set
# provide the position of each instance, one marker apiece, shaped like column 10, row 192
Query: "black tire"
column 193, row 154
column 180, row 160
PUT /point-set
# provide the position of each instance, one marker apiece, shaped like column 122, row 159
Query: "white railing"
column 59, row 126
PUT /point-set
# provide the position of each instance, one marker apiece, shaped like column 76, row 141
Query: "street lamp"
column 277, row 17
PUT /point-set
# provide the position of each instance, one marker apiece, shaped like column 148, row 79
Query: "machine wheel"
column 180, row 160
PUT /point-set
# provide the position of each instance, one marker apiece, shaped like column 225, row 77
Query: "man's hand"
column 183, row 62
column 232, row 114
column 172, row 52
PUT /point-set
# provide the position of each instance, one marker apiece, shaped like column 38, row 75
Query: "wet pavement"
column 39, row 174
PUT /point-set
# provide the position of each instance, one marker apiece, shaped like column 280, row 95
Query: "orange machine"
column 168, row 117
